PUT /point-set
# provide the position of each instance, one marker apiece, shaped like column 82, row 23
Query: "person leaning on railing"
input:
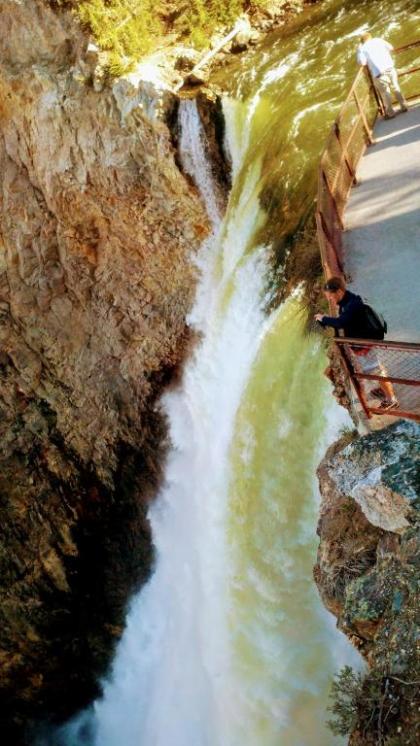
column 353, row 320
column 376, row 54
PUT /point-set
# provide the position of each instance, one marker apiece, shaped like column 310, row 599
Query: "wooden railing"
column 350, row 135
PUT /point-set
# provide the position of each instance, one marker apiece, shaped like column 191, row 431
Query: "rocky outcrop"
column 368, row 574
column 97, row 227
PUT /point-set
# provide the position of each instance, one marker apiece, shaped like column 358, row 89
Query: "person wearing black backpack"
column 358, row 320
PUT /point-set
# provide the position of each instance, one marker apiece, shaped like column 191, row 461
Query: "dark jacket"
column 352, row 317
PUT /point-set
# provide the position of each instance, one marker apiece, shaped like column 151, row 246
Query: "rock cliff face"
column 368, row 574
column 97, row 227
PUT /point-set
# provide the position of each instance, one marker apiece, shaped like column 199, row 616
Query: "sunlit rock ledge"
column 367, row 570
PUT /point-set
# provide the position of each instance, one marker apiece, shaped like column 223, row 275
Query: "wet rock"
column 209, row 107
column 335, row 373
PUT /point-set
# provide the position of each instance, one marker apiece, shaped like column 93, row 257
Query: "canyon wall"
column 368, row 576
column 97, row 230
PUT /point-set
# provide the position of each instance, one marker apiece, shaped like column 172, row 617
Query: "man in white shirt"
column 376, row 54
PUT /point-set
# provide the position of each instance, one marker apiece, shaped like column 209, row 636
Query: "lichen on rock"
column 367, row 573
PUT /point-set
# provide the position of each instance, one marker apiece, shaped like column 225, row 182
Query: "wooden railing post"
column 364, row 120
column 330, row 258
column 345, row 153
column 333, row 200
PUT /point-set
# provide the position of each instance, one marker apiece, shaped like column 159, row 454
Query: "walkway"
column 382, row 244
column 382, row 221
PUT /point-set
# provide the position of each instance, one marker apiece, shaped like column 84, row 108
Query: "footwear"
column 388, row 404
column 404, row 109
column 391, row 115
column 378, row 393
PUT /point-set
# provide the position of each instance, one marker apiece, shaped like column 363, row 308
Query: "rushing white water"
column 202, row 662
column 174, row 659
column 194, row 161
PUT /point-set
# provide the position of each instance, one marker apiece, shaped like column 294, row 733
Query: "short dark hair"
column 334, row 284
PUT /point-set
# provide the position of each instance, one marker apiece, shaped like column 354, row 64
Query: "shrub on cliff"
column 129, row 29
column 200, row 19
column 345, row 696
column 377, row 709
column 126, row 28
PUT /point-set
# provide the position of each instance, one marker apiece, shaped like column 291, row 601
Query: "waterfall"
column 172, row 677
column 211, row 655
column 228, row 643
column 194, row 160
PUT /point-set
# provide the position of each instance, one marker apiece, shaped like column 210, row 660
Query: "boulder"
column 368, row 571
column 186, row 60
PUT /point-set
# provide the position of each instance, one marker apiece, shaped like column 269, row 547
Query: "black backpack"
column 375, row 322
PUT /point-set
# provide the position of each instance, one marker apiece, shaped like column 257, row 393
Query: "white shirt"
column 375, row 53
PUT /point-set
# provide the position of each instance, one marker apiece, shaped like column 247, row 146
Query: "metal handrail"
column 365, row 106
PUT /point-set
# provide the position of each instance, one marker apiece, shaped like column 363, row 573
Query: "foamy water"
column 175, row 657
column 210, row 656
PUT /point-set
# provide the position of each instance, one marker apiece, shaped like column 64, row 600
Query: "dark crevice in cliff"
column 171, row 121
column 73, row 598
column 211, row 114
column 210, row 111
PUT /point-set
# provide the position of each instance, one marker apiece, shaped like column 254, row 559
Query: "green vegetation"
column 125, row 28
column 376, row 706
column 345, row 696
column 129, row 29
column 301, row 257
column 201, row 19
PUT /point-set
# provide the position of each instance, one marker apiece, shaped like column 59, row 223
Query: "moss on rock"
column 377, row 604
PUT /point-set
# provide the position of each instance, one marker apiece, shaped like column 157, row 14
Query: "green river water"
column 297, row 81
column 294, row 87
